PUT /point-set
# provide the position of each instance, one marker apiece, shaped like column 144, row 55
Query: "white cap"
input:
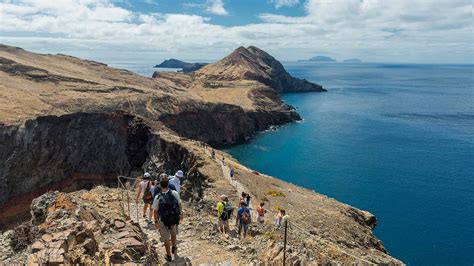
column 146, row 174
column 179, row 174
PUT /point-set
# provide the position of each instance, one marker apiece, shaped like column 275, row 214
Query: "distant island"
column 352, row 60
column 185, row 66
column 320, row 58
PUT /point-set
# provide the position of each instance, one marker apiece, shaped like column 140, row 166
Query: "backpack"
column 246, row 219
column 147, row 195
column 168, row 208
column 227, row 213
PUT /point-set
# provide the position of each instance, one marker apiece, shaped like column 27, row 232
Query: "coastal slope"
column 69, row 124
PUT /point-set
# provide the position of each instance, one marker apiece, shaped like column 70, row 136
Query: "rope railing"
column 125, row 187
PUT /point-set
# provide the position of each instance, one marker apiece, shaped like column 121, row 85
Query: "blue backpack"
column 168, row 209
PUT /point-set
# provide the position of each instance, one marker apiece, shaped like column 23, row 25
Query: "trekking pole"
column 284, row 243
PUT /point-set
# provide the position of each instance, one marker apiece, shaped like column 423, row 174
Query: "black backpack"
column 168, row 209
column 228, row 210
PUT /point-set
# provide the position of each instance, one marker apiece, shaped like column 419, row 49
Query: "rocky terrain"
column 185, row 66
column 68, row 124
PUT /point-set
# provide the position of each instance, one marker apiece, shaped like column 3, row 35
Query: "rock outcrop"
column 185, row 66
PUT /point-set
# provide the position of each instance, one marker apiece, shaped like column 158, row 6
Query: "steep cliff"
column 78, row 151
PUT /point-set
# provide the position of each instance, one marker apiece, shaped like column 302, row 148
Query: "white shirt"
column 176, row 182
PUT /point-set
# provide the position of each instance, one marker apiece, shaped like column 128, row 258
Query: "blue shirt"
column 240, row 211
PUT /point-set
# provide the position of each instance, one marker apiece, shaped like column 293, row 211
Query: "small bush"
column 271, row 235
column 276, row 193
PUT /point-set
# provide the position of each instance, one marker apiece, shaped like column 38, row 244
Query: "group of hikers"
column 162, row 206
column 243, row 218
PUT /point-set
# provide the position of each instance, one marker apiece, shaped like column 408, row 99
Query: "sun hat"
column 146, row 175
column 223, row 197
column 179, row 174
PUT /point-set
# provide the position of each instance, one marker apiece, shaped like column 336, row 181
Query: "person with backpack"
column 224, row 212
column 157, row 188
column 176, row 180
column 243, row 219
column 144, row 190
column 167, row 206
column 261, row 213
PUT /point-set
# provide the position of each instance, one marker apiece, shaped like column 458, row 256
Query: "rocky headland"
column 74, row 125
column 185, row 66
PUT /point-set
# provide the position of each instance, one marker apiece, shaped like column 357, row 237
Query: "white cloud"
column 376, row 30
column 216, row 7
column 282, row 3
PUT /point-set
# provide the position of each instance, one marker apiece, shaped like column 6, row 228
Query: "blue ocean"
column 394, row 139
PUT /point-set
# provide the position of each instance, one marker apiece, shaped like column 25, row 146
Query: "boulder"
column 39, row 207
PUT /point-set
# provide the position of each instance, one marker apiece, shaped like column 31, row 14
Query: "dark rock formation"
column 77, row 151
column 225, row 124
column 185, row 66
column 253, row 63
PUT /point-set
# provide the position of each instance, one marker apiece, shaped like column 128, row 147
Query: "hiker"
column 261, row 213
column 157, row 188
column 285, row 219
column 224, row 212
column 231, row 173
column 243, row 196
column 175, row 180
column 278, row 218
column 167, row 206
column 144, row 190
column 243, row 218
column 282, row 218
column 246, row 198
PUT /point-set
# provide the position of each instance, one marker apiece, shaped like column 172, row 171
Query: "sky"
column 412, row 31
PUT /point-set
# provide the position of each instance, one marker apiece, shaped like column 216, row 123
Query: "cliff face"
column 77, row 151
column 225, row 124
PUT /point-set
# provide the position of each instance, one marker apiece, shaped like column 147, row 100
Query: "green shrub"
column 276, row 193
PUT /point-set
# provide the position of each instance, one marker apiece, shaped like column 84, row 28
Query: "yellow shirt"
column 220, row 208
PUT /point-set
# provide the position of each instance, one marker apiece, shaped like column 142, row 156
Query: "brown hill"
column 253, row 63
